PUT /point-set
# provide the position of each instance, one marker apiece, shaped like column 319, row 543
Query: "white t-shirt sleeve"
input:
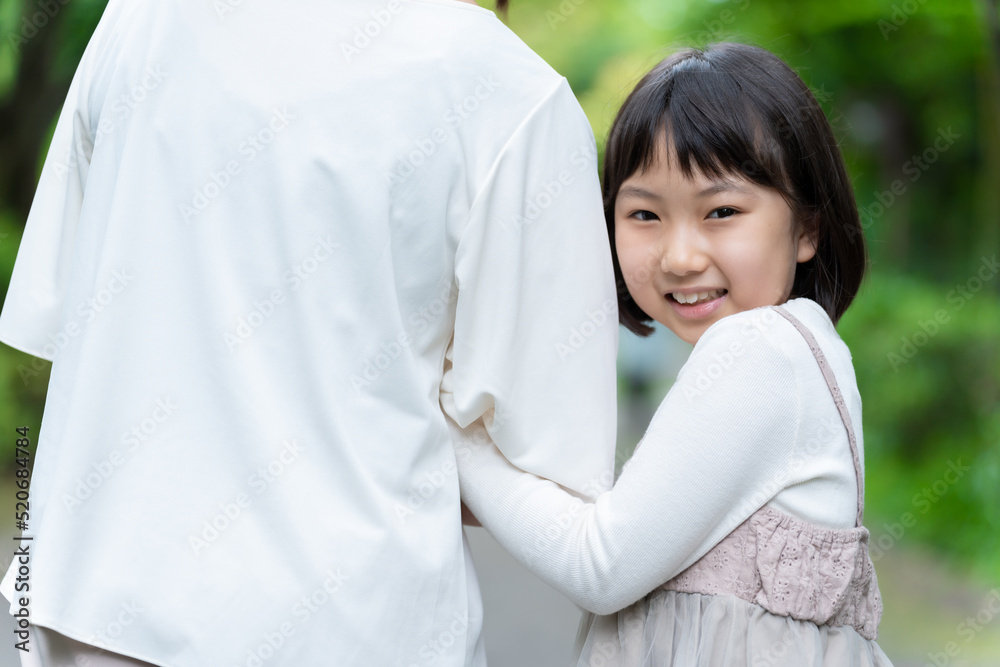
column 536, row 321
column 717, row 450
column 32, row 312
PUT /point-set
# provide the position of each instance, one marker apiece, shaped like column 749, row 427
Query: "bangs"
column 709, row 122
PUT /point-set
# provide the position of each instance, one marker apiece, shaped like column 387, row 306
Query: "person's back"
column 276, row 220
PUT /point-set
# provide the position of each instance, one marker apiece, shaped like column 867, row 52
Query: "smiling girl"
column 734, row 534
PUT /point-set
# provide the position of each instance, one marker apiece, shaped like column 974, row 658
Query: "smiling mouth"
column 695, row 298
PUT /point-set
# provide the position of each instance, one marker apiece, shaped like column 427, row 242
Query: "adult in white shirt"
column 260, row 230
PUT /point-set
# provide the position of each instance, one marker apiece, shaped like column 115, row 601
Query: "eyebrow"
column 635, row 191
column 714, row 189
column 724, row 186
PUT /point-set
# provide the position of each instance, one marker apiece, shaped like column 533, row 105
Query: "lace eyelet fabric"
column 792, row 568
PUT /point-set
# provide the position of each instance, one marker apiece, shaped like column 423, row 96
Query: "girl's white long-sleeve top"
column 749, row 422
column 259, row 228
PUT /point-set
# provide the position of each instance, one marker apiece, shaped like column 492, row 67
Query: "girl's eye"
column 724, row 212
column 645, row 216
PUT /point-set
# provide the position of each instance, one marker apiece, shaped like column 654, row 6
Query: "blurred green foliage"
column 927, row 361
column 893, row 77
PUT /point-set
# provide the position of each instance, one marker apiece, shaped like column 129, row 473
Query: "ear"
column 807, row 239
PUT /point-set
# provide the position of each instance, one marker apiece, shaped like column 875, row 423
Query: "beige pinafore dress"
column 777, row 591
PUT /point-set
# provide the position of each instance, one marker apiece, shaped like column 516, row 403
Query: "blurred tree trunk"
column 893, row 230
column 993, row 26
column 989, row 107
column 27, row 113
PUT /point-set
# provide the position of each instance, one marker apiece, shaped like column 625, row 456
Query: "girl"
column 733, row 223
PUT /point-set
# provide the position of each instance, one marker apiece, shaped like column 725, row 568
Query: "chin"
column 693, row 338
column 689, row 335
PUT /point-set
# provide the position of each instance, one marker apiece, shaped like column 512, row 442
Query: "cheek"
column 634, row 256
column 759, row 267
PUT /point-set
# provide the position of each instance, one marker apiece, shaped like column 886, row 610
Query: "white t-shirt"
column 260, row 228
column 749, row 422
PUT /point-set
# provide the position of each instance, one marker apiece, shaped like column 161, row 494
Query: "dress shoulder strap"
column 838, row 399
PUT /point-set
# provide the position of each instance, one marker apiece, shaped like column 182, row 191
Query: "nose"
column 681, row 251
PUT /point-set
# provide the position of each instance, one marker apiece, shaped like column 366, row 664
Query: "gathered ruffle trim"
column 673, row 629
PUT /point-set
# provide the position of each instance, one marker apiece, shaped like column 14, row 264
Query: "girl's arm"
column 717, row 449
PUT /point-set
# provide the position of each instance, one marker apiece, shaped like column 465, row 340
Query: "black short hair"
column 738, row 110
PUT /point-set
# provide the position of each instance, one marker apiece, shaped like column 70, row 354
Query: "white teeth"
column 697, row 297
